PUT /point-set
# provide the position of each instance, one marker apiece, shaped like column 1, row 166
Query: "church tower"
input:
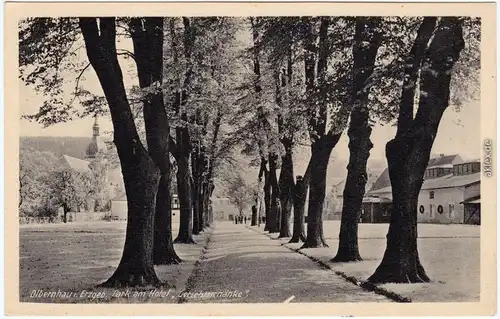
column 96, row 145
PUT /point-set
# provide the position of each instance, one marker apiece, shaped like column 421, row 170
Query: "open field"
column 450, row 255
column 75, row 257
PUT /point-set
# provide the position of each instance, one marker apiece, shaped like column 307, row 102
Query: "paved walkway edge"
column 356, row 281
column 188, row 284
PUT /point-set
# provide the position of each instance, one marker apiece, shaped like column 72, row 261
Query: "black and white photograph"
column 253, row 158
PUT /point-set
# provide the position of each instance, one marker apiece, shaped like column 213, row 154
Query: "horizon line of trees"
column 46, row 185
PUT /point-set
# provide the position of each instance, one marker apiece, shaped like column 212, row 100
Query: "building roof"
column 77, row 164
column 473, row 200
column 446, row 181
column 339, row 183
column 442, row 161
column 382, row 181
column 371, row 199
column 439, row 161
column 452, row 181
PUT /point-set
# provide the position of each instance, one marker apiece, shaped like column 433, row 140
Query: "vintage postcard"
column 250, row 159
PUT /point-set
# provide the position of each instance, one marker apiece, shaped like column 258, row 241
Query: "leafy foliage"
column 46, row 184
column 239, row 193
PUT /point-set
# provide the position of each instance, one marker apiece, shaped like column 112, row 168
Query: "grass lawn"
column 450, row 255
column 75, row 257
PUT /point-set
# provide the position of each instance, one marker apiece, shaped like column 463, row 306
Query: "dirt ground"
column 72, row 259
column 450, row 255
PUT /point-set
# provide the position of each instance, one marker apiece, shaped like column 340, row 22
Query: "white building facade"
column 450, row 194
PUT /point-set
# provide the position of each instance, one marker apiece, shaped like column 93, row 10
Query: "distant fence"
column 71, row 217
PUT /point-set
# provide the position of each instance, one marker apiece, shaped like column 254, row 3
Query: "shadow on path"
column 243, row 266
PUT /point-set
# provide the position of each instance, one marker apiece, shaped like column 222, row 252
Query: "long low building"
column 450, row 194
column 119, row 208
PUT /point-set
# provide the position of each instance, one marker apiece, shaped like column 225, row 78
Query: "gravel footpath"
column 242, row 266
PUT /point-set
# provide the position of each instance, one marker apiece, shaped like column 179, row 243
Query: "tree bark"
column 359, row 138
column 206, row 205
column 409, row 152
column 299, row 202
column 65, row 212
column 164, row 252
column 202, row 175
column 140, row 174
column 210, row 207
column 254, row 216
column 185, row 202
column 286, row 188
column 267, row 192
column 195, row 192
column 274, row 226
column 321, row 150
column 147, row 37
column 184, row 144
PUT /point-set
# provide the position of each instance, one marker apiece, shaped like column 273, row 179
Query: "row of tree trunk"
column 147, row 173
column 407, row 154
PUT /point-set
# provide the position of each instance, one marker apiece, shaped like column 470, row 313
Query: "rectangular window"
column 431, row 194
column 431, row 211
column 477, row 167
column 451, row 211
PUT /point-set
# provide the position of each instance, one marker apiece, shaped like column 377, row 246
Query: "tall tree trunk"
column 201, row 209
column 185, row 202
column 147, row 37
column 321, row 150
column 202, row 173
column 196, row 212
column 65, row 213
column 267, row 192
column 254, row 216
column 194, row 191
column 286, row 189
column 210, row 207
column 274, row 225
column 206, row 199
column 409, row 152
column 184, row 144
column 359, row 138
column 299, row 202
column 164, row 252
column 140, row 174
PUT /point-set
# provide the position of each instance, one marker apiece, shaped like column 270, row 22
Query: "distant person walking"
column 245, row 219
